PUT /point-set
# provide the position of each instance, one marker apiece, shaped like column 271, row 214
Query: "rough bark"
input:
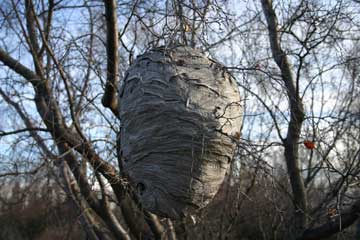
column 110, row 99
column 296, row 119
column 181, row 118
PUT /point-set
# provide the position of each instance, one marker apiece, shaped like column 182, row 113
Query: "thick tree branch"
column 52, row 117
column 344, row 220
column 30, row 24
column 32, row 37
column 50, row 113
column 91, row 225
column 47, row 24
column 61, row 70
column 297, row 116
column 89, row 197
column 110, row 99
column 17, row 67
column 115, row 225
column 180, row 15
column 29, row 125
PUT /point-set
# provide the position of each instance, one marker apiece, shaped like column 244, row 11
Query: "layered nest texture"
column 181, row 116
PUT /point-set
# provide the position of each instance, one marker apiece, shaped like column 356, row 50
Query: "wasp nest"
column 180, row 121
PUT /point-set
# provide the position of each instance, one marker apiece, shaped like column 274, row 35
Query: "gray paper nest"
column 180, row 122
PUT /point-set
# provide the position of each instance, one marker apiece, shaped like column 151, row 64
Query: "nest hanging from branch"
column 180, row 121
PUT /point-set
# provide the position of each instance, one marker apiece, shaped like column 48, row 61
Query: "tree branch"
column 91, row 226
column 29, row 125
column 297, row 116
column 50, row 112
column 2, row 133
column 344, row 220
column 110, row 99
column 18, row 67
column 112, row 220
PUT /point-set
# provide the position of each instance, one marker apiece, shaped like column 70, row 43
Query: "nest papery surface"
column 181, row 116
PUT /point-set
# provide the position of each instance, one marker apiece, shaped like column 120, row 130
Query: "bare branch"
column 18, row 67
column 112, row 220
column 344, row 220
column 296, row 118
column 2, row 133
column 110, row 99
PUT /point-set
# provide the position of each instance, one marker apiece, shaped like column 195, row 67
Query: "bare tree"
column 296, row 66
